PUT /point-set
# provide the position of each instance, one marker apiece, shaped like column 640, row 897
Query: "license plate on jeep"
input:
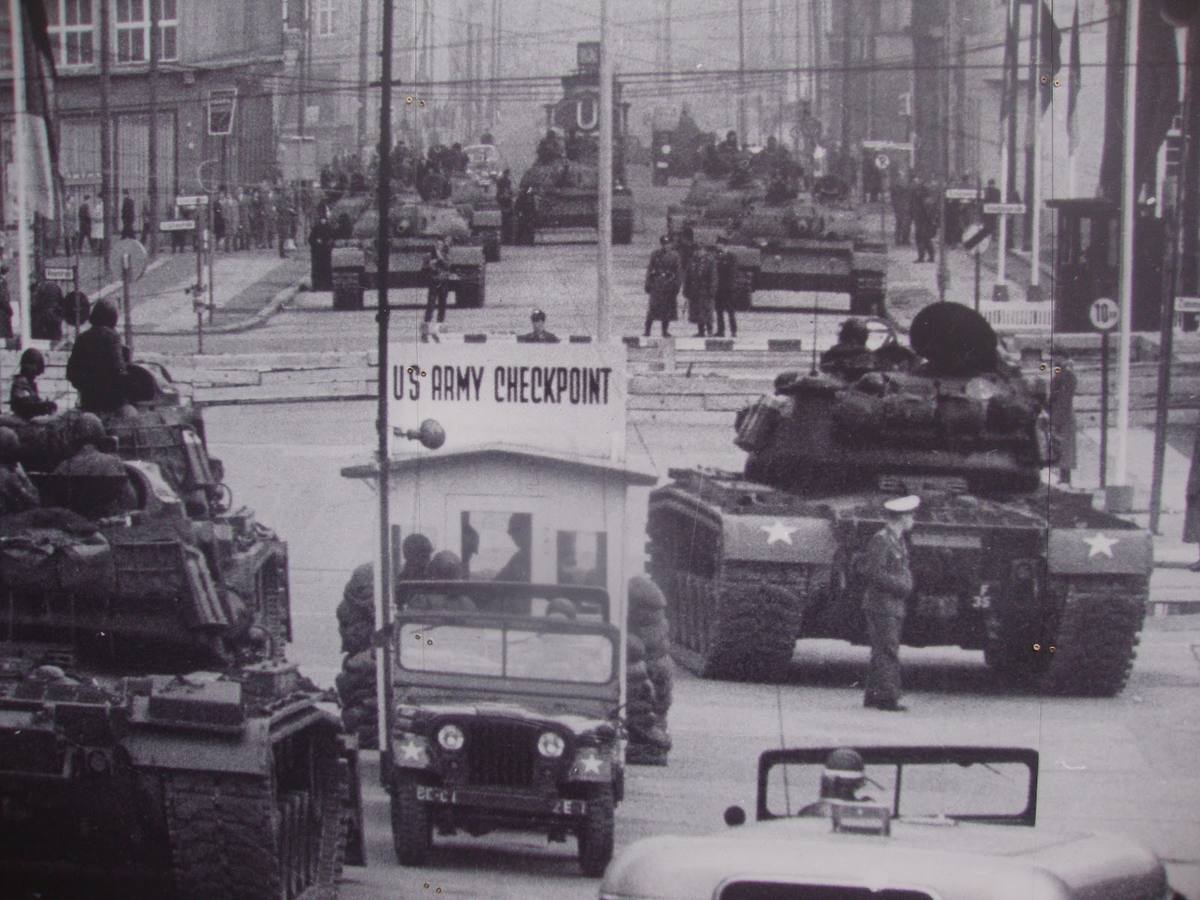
column 431, row 794
column 563, row 806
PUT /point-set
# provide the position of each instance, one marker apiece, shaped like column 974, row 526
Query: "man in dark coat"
column 128, row 217
column 24, row 399
column 97, row 484
column 664, row 276
column 1191, row 521
column 320, row 243
column 1063, row 385
column 96, row 367
column 504, row 198
column 85, row 224
column 902, row 209
column 924, row 221
column 700, row 287
column 724, row 298
column 887, row 584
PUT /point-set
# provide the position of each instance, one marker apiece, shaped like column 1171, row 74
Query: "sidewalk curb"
column 273, row 306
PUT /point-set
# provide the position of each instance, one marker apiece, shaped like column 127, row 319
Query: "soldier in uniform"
column 664, row 277
column 97, row 484
column 17, row 492
column 24, row 399
column 725, row 297
column 539, row 335
column 842, row 778
column 699, row 287
column 849, row 357
column 96, row 367
column 438, row 264
column 887, row 583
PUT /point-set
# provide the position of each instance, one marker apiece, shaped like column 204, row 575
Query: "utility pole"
column 741, row 104
column 799, row 87
column 943, row 275
column 668, row 63
column 814, row 7
column 364, row 27
column 847, row 9
column 1128, row 201
column 152, row 175
column 383, row 584
column 776, row 61
column 1031, row 125
column 604, row 275
column 301, row 94
column 106, row 175
column 960, row 113
column 479, row 126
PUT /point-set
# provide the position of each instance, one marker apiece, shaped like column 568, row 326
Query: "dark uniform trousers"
column 888, row 582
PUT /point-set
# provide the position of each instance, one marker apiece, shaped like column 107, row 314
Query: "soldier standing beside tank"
column 504, row 198
column 664, row 277
column 887, row 584
column 725, row 296
column 96, row 367
column 1063, row 384
column 438, row 264
column 1191, row 521
column 699, row 287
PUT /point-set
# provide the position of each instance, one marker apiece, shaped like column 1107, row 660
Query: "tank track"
column 235, row 836
column 1097, row 637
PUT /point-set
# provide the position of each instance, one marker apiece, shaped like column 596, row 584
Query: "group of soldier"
column 706, row 275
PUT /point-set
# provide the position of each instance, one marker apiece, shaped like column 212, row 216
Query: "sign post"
column 1000, row 292
column 976, row 237
column 1104, row 315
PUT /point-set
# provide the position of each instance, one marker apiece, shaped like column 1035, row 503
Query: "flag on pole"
column 1050, row 51
column 40, row 137
column 1074, row 84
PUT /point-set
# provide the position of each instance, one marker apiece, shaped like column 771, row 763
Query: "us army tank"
column 154, row 741
column 1051, row 590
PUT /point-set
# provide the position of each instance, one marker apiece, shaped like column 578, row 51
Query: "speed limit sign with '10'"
column 1104, row 314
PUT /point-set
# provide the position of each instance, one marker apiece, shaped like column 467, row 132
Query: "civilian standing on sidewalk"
column 1191, row 521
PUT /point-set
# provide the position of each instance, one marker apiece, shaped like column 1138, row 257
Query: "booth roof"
column 516, row 453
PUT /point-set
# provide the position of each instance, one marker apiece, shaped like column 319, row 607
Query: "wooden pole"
column 21, row 161
column 152, row 175
column 106, row 175
column 603, row 313
column 1128, row 202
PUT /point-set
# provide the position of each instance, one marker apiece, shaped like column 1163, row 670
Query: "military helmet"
column 33, row 359
column 445, row 566
column 88, row 429
column 10, row 445
column 853, row 331
column 843, row 775
column 417, row 548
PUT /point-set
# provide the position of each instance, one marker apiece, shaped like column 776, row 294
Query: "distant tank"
column 153, row 739
column 1053, row 591
column 474, row 196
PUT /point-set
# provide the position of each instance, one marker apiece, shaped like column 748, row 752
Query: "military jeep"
column 926, row 822
column 503, row 715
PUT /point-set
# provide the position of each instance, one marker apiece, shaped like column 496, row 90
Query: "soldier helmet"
column 104, row 313
column 88, row 430
column 537, row 316
column 445, row 566
column 33, row 359
column 843, row 775
column 902, row 506
column 10, row 445
column 853, row 331
column 561, row 607
column 417, row 548
column 665, row 239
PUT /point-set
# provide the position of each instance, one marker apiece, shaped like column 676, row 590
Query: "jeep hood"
column 537, row 711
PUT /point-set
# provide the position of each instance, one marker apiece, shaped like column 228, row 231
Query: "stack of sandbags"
column 649, row 678
column 356, row 682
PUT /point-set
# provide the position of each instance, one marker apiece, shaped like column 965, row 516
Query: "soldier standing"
column 539, row 335
column 664, row 276
column 699, row 287
column 887, row 583
column 438, row 264
column 725, row 297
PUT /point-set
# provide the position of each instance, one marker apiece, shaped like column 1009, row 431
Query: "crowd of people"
column 705, row 274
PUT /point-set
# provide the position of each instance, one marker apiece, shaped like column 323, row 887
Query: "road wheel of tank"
column 412, row 825
column 596, row 833
column 470, row 294
column 754, row 635
column 235, row 837
column 622, row 233
column 1098, row 633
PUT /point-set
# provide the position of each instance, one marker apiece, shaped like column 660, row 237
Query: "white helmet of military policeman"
column 901, row 511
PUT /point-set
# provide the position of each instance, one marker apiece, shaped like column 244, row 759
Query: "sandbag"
column 636, row 672
column 655, row 637
column 643, row 593
column 635, row 650
column 646, row 617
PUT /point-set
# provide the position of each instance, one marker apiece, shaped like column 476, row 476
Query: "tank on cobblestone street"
column 1051, row 589
column 153, row 739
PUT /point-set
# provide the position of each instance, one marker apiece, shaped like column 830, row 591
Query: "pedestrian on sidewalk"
column 664, row 276
column 128, row 216
column 902, row 209
column 98, row 226
column 1063, row 385
column 1191, row 520
column 924, row 221
column 84, row 214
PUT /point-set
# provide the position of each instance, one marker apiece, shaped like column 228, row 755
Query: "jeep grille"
column 501, row 754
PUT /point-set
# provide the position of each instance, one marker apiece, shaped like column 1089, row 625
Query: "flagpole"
column 1009, row 98
column 21, row 161
column 1034, row 291
column 1128, row 200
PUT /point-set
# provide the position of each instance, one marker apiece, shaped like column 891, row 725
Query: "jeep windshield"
column 506, row 650
column 981, row 784
column 574, row 603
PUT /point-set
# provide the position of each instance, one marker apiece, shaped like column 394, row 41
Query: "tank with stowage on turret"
column 1052, row 590
column 153, row 739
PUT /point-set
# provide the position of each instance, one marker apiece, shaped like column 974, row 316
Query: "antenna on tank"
column 816, row 304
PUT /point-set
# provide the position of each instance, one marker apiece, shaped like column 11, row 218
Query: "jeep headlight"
column 451, row 737
column 551, row 745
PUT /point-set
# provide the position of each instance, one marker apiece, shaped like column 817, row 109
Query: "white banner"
column 564, row 397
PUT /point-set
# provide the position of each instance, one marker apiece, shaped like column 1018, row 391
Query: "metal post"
column 603, row 316
column 1007, row 151
column 152, row 174
column 943, row 273
column 741, row 103
column 106, row 177
column 126, row 281
column 1031, row 126
column 75, row 289
column 1103, row 408
column 1128, row 202
column 364, row 24
column 212, row 252
column 199, row 331
column 20, row 159
column 383, row 584
column 978, row 218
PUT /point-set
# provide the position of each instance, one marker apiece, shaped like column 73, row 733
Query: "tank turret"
column 946, row 408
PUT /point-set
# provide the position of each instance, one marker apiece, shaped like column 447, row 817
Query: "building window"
column 326, row 10
column 133, row 30
column 72, row 31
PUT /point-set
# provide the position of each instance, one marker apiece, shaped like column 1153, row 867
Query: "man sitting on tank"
column 97, row 365
column 849, row 357
column 24, row 399
column 17, row 492
column 94, row 483
column 842, row 778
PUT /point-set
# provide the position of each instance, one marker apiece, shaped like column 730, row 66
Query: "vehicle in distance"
column 940, row 823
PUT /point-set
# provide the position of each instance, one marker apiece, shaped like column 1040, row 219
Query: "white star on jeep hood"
column 778, row 532
column 1100, row 545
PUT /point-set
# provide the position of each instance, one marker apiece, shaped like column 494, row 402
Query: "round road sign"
column 882, row 162
column 137, row 257
column 1105, row 314
column 976, row 239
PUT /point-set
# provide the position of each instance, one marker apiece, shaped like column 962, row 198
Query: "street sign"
column 1182, row 304
column 1104, row 314
column 887, row 145
column 976, row 239
column 189, row 201
column 128, row 247
column 60, row 273
column 1004, row 209
column 222, row 104
column 963, row 194
column 882, row 162
column 177, row 225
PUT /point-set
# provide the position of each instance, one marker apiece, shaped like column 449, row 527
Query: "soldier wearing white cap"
column 888, row 582
column 842, row 778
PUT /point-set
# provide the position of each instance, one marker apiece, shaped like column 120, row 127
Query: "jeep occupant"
column 841, row 780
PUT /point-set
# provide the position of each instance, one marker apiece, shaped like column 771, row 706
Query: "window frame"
column 326, row 17
column 61, row 32
column 139, row 30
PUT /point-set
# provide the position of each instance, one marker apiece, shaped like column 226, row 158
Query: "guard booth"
column 1087, row 263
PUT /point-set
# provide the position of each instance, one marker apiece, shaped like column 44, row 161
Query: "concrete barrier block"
column 666, row 401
